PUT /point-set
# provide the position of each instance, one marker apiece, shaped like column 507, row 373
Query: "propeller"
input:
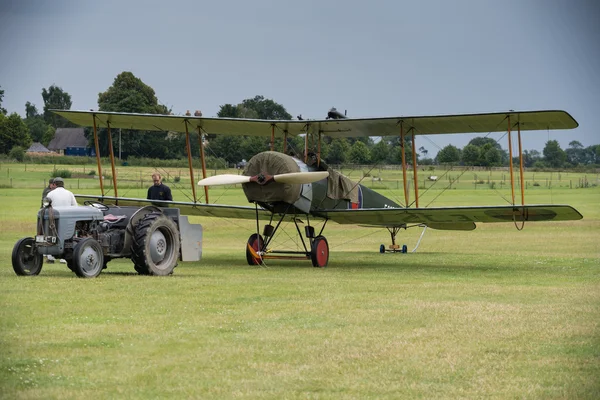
column 301, row 177
column 262, row 179
column 225, row 179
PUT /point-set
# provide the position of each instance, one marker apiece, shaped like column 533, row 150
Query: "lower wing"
column 453, row 218
column 186, row 208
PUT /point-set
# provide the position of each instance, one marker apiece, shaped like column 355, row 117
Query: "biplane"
column 303, row 189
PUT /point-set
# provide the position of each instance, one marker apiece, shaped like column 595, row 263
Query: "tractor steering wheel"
column 96, row 204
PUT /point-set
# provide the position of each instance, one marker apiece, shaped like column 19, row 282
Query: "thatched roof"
column 37, row 147
column 68, row 137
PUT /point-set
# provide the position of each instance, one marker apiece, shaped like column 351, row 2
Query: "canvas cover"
column 272, row 163
column 340, row 187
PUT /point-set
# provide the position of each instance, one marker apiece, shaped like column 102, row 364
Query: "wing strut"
column 272, row 137
column 319, row 150
column 510, row 163
column 201, row 144
column 98, row 155
column 521, row 173
column 414, row 158
column 112, row 160
column 403, row 163
column 189, row 156
column 521, row 166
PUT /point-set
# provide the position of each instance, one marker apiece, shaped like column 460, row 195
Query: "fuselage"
column 334, row 192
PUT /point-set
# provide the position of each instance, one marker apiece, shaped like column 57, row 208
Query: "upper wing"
column 460, row 218
column 186, row 208
column 350, row 127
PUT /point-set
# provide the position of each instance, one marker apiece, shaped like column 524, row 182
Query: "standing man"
column 159, row 191
column 51, row 186
column 60, row 196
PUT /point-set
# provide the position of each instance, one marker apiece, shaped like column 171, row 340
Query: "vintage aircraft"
column 283, row 187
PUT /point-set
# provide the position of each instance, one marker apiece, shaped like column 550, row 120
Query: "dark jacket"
column 47, row 190
column 160, row 192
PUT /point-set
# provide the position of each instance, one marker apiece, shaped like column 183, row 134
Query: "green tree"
column 530, row 157
column 235, row 149
column 129, row 94
column 252, row 145
column 554, row 156
column 594, row 154
column 576, row 153
column 227, row 147
column 13, row 132
column 338, row 151
column 48, row 135
column 480, row 141
column 490, row 155
column 17, row 153
column 56, row 98
column 35, row 123
column 380, row 152
column 470, row 155
column 265, row 108
column 359, row 153
column 449, row 154
column 2, row 110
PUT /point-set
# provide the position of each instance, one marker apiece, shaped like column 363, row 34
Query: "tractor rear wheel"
column 155, row 245
column 26, row 260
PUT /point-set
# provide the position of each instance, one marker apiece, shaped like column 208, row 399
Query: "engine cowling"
column 272, row 163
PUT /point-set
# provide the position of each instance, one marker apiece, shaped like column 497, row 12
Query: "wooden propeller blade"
column 226, row 179
column 301, row 177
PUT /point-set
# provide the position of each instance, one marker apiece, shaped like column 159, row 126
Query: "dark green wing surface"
column 185, row 208
column 454, row 218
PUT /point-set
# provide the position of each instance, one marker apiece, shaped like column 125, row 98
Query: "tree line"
column 129, row 93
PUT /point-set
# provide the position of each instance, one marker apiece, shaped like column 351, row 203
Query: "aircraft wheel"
column 26, row 260
column 319, row 252
column 88, row 258
column 155, row 245
column 404, row 249
column 382, row 249
column 255, row 241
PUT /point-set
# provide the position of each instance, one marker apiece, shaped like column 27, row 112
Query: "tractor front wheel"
column 26, row 260
column 88, row 258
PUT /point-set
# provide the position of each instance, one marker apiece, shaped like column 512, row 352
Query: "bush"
column 176, row 179
column 63, row 173
column 92, row 172
column 18, row 153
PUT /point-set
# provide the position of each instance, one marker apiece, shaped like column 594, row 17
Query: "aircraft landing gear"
column 316, row 249
column 319, row 252
column 255, row 244
column 394, row 248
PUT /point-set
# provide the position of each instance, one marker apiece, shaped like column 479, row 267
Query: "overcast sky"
column 371, row 58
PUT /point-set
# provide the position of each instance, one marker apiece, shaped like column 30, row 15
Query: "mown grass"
column 493, row 313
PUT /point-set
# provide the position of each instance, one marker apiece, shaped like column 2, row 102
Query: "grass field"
column 493, row 313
